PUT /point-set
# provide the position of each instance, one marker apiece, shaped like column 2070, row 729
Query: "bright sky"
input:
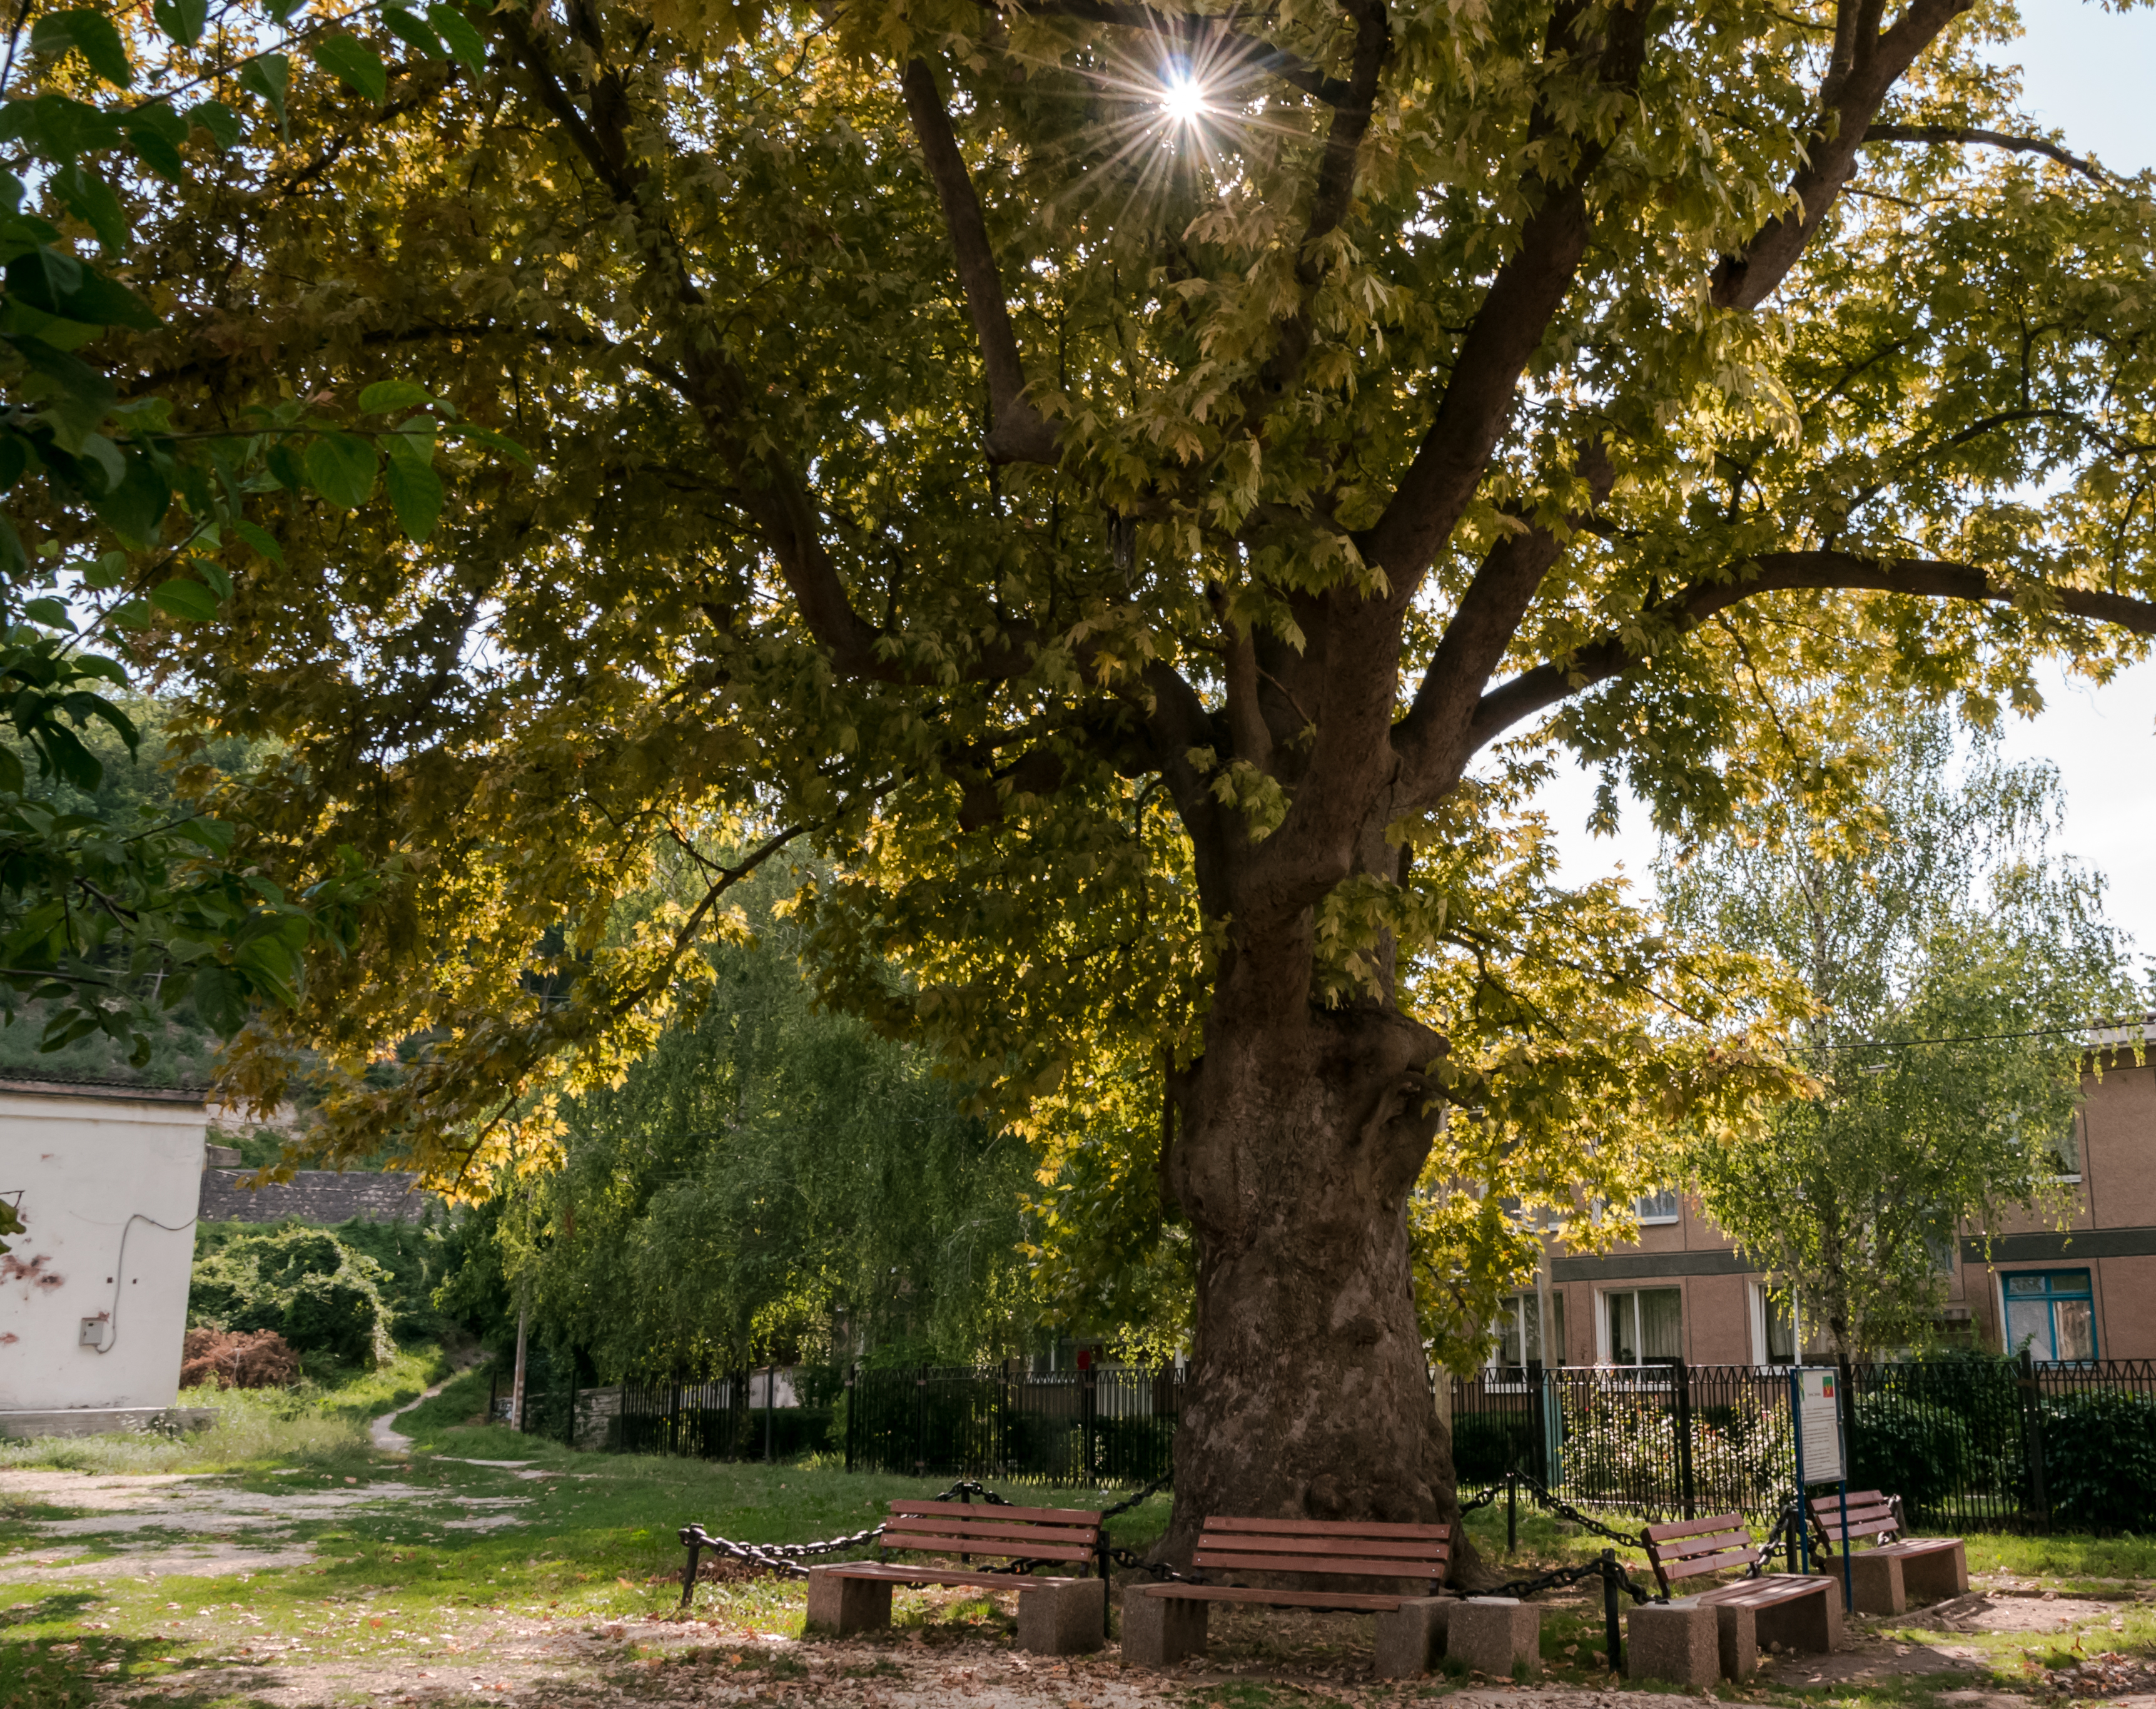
column 2087, row 73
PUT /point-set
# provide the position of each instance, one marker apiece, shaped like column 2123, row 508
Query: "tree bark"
column 1302, row 1132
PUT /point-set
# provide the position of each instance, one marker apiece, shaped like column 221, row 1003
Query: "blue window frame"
column 2052, row 1312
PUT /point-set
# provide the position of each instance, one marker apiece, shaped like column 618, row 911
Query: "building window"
column 1644, row 1325
column 1658, row 1207
column 1519, row 1333
column 2066, row 1150
column 2051, row 1313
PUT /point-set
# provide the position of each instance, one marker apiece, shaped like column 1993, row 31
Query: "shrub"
column 304, row 1284
column 1910, row 1447
column 262, row 1360
column 2100, row 1460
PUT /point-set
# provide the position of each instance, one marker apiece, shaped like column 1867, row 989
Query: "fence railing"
column 1103, row 1427
column 1969, row 1443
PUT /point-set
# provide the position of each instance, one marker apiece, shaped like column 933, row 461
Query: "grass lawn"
column 349, row 1575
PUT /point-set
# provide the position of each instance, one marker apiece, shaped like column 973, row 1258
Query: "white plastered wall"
column 108, row 1186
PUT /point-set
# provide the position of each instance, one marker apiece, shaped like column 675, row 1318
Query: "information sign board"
column 1818, row 1426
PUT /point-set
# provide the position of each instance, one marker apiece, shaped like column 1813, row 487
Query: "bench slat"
column 1022, row 1533
column 937, row 1575
column 1781, row 1586
column 1708, row 1563
column 1353, row 1602
column 1332, row 1527
column 1685, row 1547
column 1403, row 1548
column 928, row 1544
column 1318, row 1563
column 988, row 1510
column 1694, row 1527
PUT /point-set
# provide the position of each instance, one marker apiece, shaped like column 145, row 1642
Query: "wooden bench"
column 1164, row 1622
column 1882, row 1578
column 1056, row 1616
column 1800, row 1611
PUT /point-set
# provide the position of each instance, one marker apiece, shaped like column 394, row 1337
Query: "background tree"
column 1134, row 491
column 1955, row 966
column 774, row 1183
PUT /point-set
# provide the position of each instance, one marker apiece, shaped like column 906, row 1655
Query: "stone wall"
column 313, row 1196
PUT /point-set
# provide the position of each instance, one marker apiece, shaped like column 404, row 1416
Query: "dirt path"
column 383, row 1432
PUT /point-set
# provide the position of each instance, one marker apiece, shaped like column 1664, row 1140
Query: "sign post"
column 1821, row 1456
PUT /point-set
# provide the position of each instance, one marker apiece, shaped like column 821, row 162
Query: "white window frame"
column 1658, row 1218
column 1763, row 1355
column 1604, row 1354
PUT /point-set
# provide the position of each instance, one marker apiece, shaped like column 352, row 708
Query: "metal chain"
column 780, row 1558
column 1125, row 1505
column 1557, row 1505
column 1562, row 1575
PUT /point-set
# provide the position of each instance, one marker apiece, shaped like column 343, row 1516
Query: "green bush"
column 2100, row 1460
column 309, row 1286
column 1911, row 1448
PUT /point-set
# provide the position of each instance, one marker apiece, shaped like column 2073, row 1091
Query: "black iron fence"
column 1972, row 1443
column 1108, row 1426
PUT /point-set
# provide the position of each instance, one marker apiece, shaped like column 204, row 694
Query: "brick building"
column 1684, row 1291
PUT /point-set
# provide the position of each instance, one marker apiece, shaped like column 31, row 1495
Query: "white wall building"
column 94, row 1292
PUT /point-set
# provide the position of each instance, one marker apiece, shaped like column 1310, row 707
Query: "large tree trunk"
column 1301, row 1133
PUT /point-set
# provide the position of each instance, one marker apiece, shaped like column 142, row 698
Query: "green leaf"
column 182, row 20
column 268, row 75
column 260, row 538
column 14, row 562
column 489, row 439
column 341, row 468
column 151, row 134
column 130, row 614
column 460, row 35
column 393, row 394
column 135, row 509
column 222, row 123
column 415, row 492
column 69, row 128
column 354, row 64
column 75, row 763
column 92, row 35
column 403, row 25
column 43, row 276
column 213, row 834
column 286, row 467
column 105, row 302
column 91, row 200
column 53, row 614
column 14, row 459
column 12, row 780
column 185, row 598
column 220, row 998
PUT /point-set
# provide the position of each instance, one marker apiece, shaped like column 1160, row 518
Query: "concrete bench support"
column 1413, row 1636
column 1159, row 1631
column 843, row 1606
column 1494, row 1634
column 1886, row 1581
column 1810, row 1623
column 1062, row 1620
column 1675, row 1641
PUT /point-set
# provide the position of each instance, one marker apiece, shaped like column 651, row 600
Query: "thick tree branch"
column 1864, row 68
column 1545, row 685
column 1018, row 433
column 1522, row 301
column 1432, row 740
column 1989, row 139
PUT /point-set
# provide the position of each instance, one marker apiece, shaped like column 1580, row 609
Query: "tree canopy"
column 1955, row 963
column 1137, row 490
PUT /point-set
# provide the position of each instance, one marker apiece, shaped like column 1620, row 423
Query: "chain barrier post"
column 1684, row 1440
column 853, row 1407
column 1511, row 1512
column 2032, row 1427
column 1613, row 1634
